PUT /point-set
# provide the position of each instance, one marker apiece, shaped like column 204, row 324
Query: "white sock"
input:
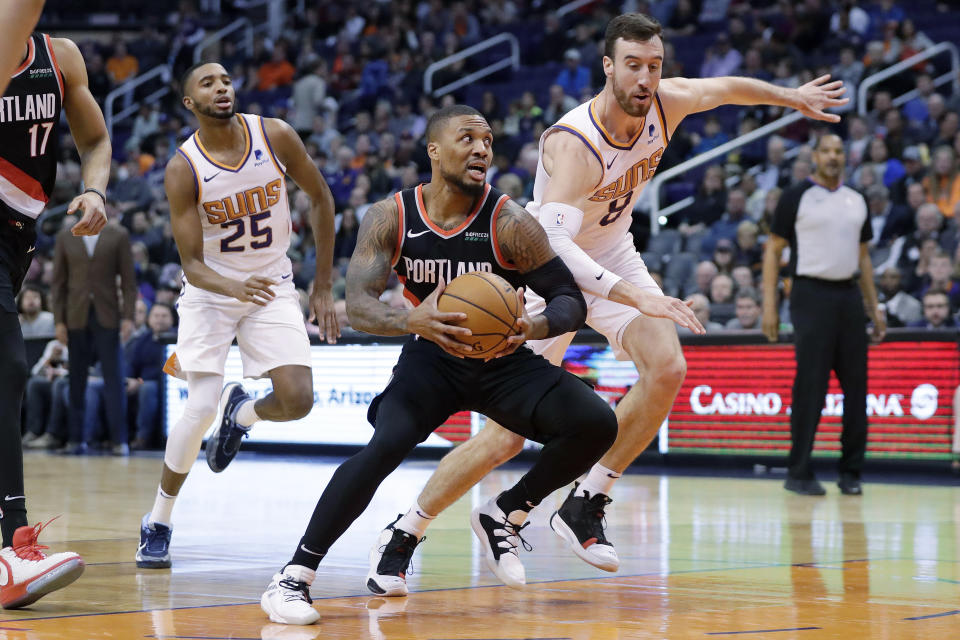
column 162, row 508
column 599, row 480
column 299, row 572
column 415, row 521
column 247, row 414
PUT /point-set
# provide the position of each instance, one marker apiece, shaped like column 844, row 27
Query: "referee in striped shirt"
column 827, row 226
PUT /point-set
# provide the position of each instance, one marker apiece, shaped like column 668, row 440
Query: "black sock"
column 307, row 557
column 13, row 515
column 516, row 498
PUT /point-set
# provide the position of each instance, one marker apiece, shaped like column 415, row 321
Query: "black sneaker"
column 804, row 487
column 500, row 539
column 224, row 443
column 580, row 521
column 390, row 561
column 850, row 485
column 154, row 549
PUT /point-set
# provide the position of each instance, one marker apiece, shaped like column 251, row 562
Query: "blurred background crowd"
column 349, row 77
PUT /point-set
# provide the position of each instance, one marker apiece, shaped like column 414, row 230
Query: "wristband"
column 98, row 192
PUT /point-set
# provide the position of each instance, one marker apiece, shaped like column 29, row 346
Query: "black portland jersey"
column 29, row 143
column 425, row 252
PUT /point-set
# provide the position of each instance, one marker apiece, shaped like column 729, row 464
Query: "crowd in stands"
column 349, row 78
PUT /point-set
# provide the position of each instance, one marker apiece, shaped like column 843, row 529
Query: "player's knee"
column 504, row 446
column 670, row 370
column 200, row 411
column 298, row 404
column 603, row 429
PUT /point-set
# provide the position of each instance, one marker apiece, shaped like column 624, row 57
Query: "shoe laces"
column 513, row 537
column 31, row 550
column 397, row 554
column 594, row 514
column 295, row 590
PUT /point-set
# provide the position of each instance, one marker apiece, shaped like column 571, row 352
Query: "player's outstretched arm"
column 292, row 154
column 18, row 17
column 683, row 96
column 90, row 135
column 181, row 187
column 574, row 175
column 377, row 244
column 524, row 243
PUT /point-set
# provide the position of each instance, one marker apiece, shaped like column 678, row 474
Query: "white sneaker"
column 500, row 539
column 390, row 561
column 287, row 599
column 27, row 573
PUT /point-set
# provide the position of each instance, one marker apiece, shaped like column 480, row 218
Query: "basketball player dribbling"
column 231, row 221
column 50, row 77
column 593, row 164
column 454, row 221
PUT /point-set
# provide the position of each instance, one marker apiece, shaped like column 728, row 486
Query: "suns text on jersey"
column 243, row 203
column 640, row 172
column 32, row 106
column 420, row 270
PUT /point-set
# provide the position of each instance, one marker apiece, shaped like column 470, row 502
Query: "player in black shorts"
column 51, row 77
column 430, row 234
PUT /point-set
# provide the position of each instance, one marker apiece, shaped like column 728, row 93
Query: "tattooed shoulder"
column 521, row 238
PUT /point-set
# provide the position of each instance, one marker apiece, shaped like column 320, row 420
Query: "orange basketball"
column 491, row 305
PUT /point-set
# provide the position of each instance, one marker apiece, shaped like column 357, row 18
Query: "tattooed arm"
column 367, row 279
column 524, row 243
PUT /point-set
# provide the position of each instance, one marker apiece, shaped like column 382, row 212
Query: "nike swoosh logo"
column 601, row 275
column 612, row 475
column 9, row 497
column 286, row 276
column 31, row 249
column 411, row 234
column 424, row 516
column 610, row 164
column 206, row 179
column 303, row 548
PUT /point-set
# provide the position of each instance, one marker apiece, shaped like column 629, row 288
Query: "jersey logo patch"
column 561, row 218
column 411, row 234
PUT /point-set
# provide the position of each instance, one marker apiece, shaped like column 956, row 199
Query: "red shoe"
column 27, row 573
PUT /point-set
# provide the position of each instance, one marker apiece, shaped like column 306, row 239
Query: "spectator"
column 902, row 308
column 146, row 124
column 889, row 221
column 277, row 72
column 800, row 171
column 511, row 185
column 35, row 320
column 850, row 17
column 914, row 174
column 726, row 227
column 936, row 312
column 748, row 309
column 92, row 319
column 574, row 77
column 145, row 356
column 743, row 278
column 723, row 255
column 700, row 306
column 749, row 251
column 560, row 103
column 773, row 172
column 713, row 136
column 47, row 399
column 121, row 66
column 721, row 298
column 703, row 275
column 708, row 203
column 97, row 77
column 850, row 70
column 130, row 191
column 346, row 240
column 940, row 278
column 857, row 141
column 721, row 59
column 943, row 183
column 309, row 92
column 915, row 109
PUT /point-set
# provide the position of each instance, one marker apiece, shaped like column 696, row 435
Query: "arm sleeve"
column 566, row 309
column 562, row 223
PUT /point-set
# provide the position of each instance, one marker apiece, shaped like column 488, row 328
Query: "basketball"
column 491, row 305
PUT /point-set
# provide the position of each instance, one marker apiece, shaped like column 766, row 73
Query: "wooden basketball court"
column 700, row 558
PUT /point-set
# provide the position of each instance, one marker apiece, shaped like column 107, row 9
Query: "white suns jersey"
column 243, row 209
column 627, row 167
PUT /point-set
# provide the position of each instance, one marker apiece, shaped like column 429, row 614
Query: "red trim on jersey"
column 400, row 225
column 460, row 227
column 31, row 54
column 53, row 59
column 407, row 293
column 506, row 264
column 22, row 181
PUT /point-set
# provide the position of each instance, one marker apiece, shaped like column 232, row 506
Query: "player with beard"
column 231, row 223
column 593, row 165
column 454, row 221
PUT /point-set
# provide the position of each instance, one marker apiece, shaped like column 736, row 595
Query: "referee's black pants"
column 829, row 326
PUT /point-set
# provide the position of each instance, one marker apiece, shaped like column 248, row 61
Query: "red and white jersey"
column 627, row 167
column 243, row 209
